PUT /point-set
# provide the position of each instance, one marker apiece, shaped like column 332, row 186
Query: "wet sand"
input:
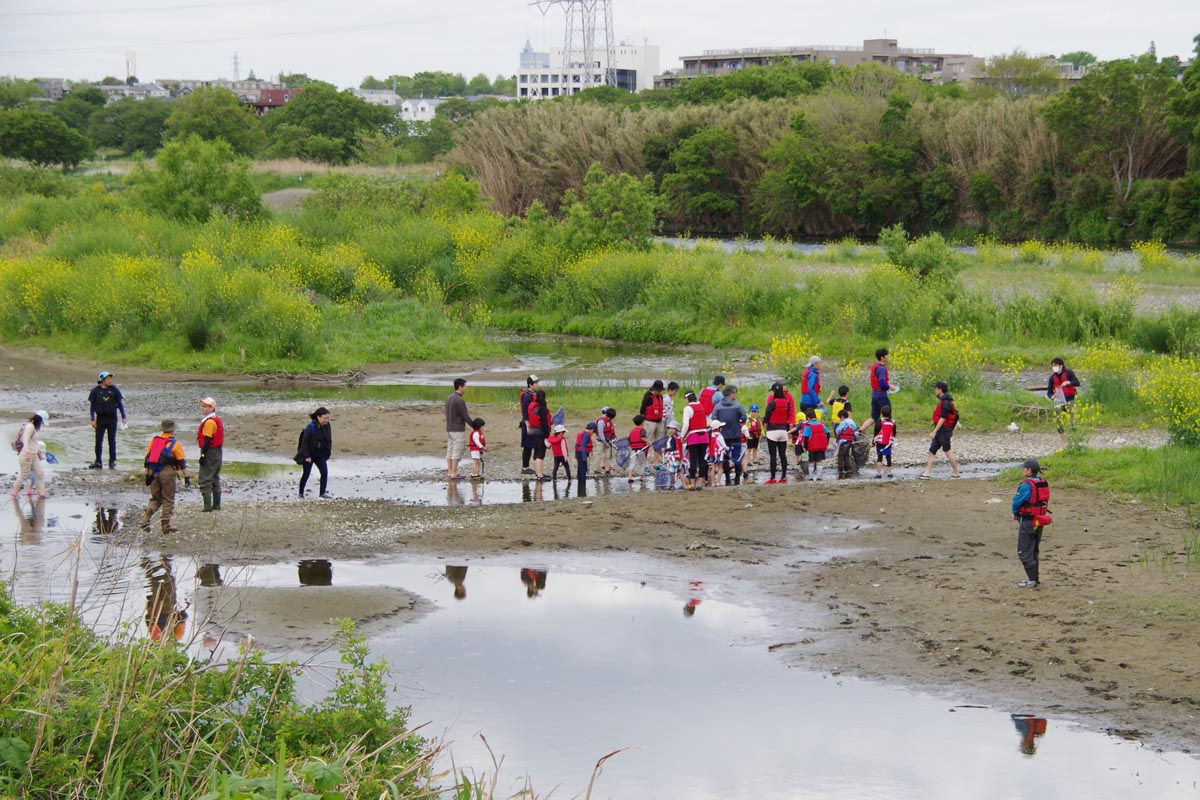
column 923, row 595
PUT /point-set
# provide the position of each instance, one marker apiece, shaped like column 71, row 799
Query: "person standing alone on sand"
column 315, row 449
column 1029, row 506
column 1061, row 391
column 106, row 401
column 945, row 418
column 457, row 421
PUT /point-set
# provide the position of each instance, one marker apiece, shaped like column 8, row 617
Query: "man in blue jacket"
column 106, row 402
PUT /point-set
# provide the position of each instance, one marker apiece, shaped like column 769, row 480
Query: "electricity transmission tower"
column 584, row 18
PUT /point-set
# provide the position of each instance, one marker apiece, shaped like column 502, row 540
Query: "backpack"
column 156, row 461
column 298, row 458
column 17, row 444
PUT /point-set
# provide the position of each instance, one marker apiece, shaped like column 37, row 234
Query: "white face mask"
column 1057, row 369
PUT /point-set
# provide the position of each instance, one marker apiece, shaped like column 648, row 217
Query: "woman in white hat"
column 30, row 455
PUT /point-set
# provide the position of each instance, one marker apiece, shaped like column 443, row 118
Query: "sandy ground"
column 922, row 594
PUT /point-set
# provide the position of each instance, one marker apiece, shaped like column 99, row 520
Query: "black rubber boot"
column 208, row 501
column 216, row 500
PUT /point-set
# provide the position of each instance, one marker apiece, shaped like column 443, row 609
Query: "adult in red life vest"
column 210, row 437
column 695, row 437
column 652, row 412
column 537, row 422
column 780, row 418
column 711, row 395
column 810, row 387
column 1029, row 506
column 164, row 462
column 881, row 386
column 1061, row 390
column 532, row 384
column 945, row 419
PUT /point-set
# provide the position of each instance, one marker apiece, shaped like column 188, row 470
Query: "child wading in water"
column 885, row 437
column 558, row 447
column 478, row 446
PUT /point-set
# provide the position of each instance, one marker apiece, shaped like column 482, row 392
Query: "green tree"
column 439, row 84
column 216, row 113
column 130, row 125
column 109, row 80
column 371, row 82
column 1078, row 59
column 1114, row 121
column 77, row 107
column 1018, row 74
column 196, row 179
column 505, row 85
column 41, row 138
column 698, row 192
column 16, row 93
column 337, row 118
column 479, row 85
column 615, row 209
column 296, row 80
column 1183, row 116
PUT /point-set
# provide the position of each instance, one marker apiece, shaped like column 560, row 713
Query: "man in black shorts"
column 945, row 419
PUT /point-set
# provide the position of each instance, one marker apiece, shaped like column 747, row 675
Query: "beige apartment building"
column 924, row 62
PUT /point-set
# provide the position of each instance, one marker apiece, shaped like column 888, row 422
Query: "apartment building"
column 926, row 63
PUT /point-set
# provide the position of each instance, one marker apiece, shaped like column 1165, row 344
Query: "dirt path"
column 923, row 592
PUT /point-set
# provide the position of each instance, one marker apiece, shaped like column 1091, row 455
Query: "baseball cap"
column 754, row 406
column 103, row 375
column 531, row 380
column 1032, row 465
column 208, row 401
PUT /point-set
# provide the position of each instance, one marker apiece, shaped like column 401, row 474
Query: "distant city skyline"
column 180, row 39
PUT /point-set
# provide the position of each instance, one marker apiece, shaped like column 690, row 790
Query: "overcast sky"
column 342, row 42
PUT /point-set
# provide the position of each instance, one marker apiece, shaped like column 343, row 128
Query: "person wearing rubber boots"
column 164, row 464
column 210, row 437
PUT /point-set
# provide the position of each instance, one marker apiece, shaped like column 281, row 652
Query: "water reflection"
column 209, row 575
column 695, row 588
column 31, row 522
column 107, row 521
column 316, row 572
column 534, row 580
column 458, row 577
column 163, row 613
column 1031, row 729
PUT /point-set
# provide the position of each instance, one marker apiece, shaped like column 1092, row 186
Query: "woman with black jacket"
column 316, row 447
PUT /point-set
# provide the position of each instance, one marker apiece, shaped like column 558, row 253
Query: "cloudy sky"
column 342, row 42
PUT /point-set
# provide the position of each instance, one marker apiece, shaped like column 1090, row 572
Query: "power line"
column 141, row 10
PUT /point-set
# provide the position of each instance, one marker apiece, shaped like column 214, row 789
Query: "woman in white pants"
column 31, row 455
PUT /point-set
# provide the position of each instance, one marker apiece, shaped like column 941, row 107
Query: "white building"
column 543, row 75
column 419, row 110
column 378, row 97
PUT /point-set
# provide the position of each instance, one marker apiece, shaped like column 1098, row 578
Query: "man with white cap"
column 210, row 436
column 106, row 401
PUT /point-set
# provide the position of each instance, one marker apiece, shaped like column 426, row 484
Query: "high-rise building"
column 543, row 74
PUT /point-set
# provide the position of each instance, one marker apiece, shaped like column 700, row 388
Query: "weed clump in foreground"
column 82, row 717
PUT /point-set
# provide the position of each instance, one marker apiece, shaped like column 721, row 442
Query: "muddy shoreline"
column 924, row 593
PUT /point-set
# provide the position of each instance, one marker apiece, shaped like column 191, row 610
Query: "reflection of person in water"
column 689, row 608
column 316, row 572
column 162, row 603
column 106, row 521
column 31, row 524
column 453, row 498
column 209, row 575
column 1030, row 728
column 458, row 577
column 534, row 580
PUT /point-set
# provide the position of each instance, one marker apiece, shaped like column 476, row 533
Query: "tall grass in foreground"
column 87, row 718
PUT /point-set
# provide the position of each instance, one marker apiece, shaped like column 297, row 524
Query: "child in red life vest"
column 639, row 443
column 558, row 448
column 606, row 435
column 885, row 436
column 816, row 440
column 583, row 449
column 795, row 436
column 478, row 447
column 673, row 455
column 1030, row 506
column 717, row 448
column 845, row 431
column 753, row 435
